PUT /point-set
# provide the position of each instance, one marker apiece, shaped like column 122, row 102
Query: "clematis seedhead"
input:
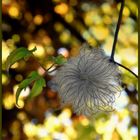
column 89, row 82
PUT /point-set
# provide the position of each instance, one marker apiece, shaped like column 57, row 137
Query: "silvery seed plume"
column 88, row 82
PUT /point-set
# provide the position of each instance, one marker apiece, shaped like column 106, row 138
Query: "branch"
column 115, row 40
column 126, row 68
column 117, row 31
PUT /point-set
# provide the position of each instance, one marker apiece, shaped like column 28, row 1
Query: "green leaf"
column 37, row 88
column 33, row 74
column 60, row 59
column 18, row 54
column 32, row 77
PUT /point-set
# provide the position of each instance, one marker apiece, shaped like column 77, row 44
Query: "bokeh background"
column 60, row 27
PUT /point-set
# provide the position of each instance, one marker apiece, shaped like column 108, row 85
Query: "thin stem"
column 126, row 68
column 116, row 37
column 46, row 70
column 50, row 67
column 117, row 30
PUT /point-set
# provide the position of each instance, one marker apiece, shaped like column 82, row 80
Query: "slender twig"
column 51, row 67
column 126, row 68
column 117, row 30
column 40, row 64
column 46, row 70
column 116, row 37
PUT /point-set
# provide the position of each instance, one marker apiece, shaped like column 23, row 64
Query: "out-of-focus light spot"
column 133, row 107
column 73, row 2
column 8, row 101
column 65, row 36
column 38, row 19
column 127, row 29
column 4, row 79
column 123, row 113
column 106, row 8
column 109, row 128
column 92, row 41
column 5, row 51
column 71, row 132
column 126, row 11
column 15, row 65
column 14, row 127
column 63, row 51
column 123, row 125
column 122, row 101
column 134, row 131
column 133, row 7
column 85, row 7
column 10, row 43
column 66, row 113
column 16, row 38
column 6, row 2
column 69, row 17
column 123, row 38
column 41, row 71
column 66, row 122
column 42, row 132
column 58, row 27
column 30, row 129
column 46, row 40
column 124, row 52
column 28, row 16
column 48, row 113
column 74, row 50
column 18, row 77
column 22, row 116
column 50, row 50
column 133, row 38
column 52, row 123
column 89, row 38
column 106, row 127
column 131, row 87
column 60, row 136
column 40, row 52
column 92, row 17
column 100, row 32
column 6, row 27
column 107, row 19
column 13, row 11
column 84, row 121
column 86, row 34
column 61, row 9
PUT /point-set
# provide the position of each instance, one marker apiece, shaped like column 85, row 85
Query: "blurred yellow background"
column 56, row 27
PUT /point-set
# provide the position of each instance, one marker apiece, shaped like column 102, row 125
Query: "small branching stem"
column 125, row 68
column 116, row 37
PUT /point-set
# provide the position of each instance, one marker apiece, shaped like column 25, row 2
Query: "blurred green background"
column 60, row 27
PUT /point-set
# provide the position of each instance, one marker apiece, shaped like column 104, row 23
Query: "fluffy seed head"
column 88, row 82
